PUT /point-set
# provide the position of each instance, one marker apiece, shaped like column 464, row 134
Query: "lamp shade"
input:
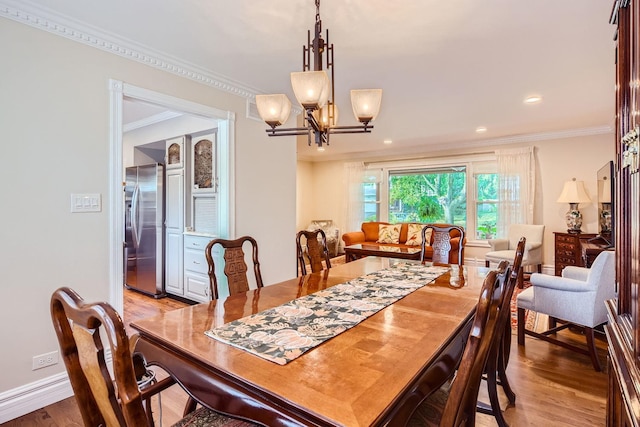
column 273, row 109
column 366, row 104
column 327, row 116
column 604, row 193
column 573, row 192
column 311, row 88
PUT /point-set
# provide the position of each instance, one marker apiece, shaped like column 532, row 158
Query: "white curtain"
column 354, row 198
column 516, row 187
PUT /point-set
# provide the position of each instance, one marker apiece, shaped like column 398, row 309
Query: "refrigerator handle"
column 135, row 215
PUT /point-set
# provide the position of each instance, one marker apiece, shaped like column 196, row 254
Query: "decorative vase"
column 574, row 218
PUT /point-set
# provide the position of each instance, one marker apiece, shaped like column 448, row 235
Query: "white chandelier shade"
column 366, row 104
column 311, row 88
column 273, row 109
column 327, row 116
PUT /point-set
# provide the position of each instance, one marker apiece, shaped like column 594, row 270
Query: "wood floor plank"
column 554, row 386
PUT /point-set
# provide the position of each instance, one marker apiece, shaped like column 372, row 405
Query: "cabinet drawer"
column 565, row 238
column 196, row 242
column 195, row 261
column 563, row 246
column 197, row 287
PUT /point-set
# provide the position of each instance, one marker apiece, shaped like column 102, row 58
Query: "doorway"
column 220, row 119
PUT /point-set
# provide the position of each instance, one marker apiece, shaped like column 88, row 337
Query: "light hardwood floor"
column 554, row 386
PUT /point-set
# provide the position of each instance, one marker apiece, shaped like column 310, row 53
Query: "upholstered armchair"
column 505, row 249
column 578, row 297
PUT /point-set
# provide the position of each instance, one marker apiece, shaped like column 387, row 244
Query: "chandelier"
column 314, row 90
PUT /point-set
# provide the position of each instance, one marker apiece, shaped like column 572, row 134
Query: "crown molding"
column 475, row 145
column 48, row 20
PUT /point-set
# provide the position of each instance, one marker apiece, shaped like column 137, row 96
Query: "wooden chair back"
column 441, row 245
column 77, row 325
column 313, row 250
column 235, row 267
column 460, row 408
column 499, row 352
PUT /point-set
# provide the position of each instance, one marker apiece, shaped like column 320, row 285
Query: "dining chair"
column 106, row 399
column 441, row 237
column 454, row 404
column 496, row 368
column 576, row 298
column 505, row 249
column 311, row 248
column 235, row 267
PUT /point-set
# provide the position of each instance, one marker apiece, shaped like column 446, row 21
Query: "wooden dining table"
column 373, row 374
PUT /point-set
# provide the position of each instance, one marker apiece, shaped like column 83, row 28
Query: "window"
column 428, row 195
column 486, row 205
column 434, row 191
column 371, row 191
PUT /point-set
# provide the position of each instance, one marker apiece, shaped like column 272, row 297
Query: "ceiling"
column 446, row 67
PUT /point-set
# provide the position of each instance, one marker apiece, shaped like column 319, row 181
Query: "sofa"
column 369, row 234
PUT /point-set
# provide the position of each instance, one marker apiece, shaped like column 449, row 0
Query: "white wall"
column 54, row 127
column 558, row 160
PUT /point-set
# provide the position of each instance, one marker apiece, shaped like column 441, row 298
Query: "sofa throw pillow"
column 414, row 234
column 389, row 233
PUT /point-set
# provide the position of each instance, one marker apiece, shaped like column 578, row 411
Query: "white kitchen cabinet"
column 196, row 277
column 174, row 229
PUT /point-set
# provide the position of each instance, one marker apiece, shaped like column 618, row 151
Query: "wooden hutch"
column 623, row 329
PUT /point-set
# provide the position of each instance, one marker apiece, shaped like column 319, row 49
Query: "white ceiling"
column 446, row 67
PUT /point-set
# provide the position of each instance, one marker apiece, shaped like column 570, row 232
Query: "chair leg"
column 591, row 345
column 492, row 389
column 552, row 323
column 503, row 361
column 486, row 263
column 190, row 406
column 539, row 268
column 520, row 326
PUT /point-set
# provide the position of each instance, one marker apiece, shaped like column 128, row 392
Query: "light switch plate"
column 89, row 202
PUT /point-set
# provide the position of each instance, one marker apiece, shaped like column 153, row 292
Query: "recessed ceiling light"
column 481, row 129
column 387, row 141
column 533, row 99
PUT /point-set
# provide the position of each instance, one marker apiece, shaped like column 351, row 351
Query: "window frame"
column 474, row 164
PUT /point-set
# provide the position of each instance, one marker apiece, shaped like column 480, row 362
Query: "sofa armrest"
column 353, row 238
column 577, row 273
column 498, row 244
column 559, row 283
column 532, row 246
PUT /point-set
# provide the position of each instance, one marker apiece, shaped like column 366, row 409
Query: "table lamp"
column 573, row 193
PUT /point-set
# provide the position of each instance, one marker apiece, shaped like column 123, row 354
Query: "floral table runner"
column 281, row 334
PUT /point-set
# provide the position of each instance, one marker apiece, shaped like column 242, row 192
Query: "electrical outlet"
column 44, row 360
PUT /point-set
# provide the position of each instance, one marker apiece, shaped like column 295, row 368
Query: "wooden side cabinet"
column 568, row 250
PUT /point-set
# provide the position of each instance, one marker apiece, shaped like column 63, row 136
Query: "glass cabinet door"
column 175, row 153
column 203, row 171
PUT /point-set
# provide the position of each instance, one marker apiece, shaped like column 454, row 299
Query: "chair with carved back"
column 499, row 353
column 103, row 399
column 441, row 245
column 235, row 267
column 311, row 248
column 454, row 404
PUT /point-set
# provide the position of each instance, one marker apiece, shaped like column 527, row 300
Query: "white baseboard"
column 30, row 397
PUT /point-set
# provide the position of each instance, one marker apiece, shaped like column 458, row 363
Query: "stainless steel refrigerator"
column 144, row 229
